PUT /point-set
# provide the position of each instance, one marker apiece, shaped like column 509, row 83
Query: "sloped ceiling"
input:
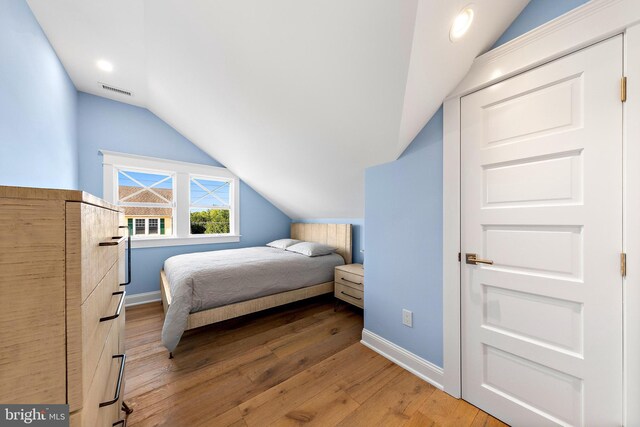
column 296, row 97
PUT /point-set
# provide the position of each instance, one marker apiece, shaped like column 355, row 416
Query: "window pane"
column 153, row 225
column 147, row 200
column 210, row 221
column 140, row 226
column 140, row 187
column 209, row 193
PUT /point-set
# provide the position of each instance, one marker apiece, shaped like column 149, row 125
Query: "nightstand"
column 349, row 284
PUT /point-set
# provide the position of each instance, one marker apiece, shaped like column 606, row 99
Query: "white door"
column 541, row 175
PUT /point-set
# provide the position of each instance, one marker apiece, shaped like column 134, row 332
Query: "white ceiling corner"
column 295, row 97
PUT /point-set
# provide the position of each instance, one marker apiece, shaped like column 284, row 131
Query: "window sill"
column 182, row 241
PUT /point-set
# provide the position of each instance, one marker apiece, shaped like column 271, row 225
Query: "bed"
column 184, row 284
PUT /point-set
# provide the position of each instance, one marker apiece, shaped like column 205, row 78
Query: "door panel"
column 555, row 179
column 541, row 197
column 515, row 313
column 552, row 107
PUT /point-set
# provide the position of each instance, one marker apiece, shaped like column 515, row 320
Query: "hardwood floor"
column 298, row 365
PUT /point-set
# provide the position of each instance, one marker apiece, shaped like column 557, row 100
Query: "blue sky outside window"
column 209, row 194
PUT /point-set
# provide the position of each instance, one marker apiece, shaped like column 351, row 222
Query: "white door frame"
column 583, row 26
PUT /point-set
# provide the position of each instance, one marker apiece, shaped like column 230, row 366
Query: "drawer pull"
column 351, row 281
column 115, row 241
column 349, row 295
column 128, row 256
column 119, row 383
column 122, row 294
column 119, row 423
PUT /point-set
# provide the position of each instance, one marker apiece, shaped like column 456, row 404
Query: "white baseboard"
column 142, row 298
column 401, row 357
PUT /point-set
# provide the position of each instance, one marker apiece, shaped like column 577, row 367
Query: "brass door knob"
column 474, row 260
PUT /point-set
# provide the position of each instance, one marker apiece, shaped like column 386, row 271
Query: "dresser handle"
column 113, row 241
column 128, row 256
column 351, row 281
column 119, row 383
column 115, row 316
column 119, row 423
column 343, row 292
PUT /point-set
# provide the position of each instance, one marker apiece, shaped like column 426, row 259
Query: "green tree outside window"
column 212, row 221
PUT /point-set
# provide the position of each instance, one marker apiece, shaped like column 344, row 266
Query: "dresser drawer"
column 103, row 388
column 98, row 225
column 349, row 279
column 349, row 294
column 101, row 304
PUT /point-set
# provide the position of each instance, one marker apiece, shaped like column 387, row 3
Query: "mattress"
column 204, row 280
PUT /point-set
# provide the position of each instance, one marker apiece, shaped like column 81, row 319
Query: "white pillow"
column 311, row 249
column 283, row 243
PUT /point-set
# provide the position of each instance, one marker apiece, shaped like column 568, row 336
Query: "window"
column 147, row 226
column 147, row 199
column 172, row 203
column 140, row 227
column 209, row 206
column 153, row 226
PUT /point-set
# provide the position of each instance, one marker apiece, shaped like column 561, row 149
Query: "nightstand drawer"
column 349, row 294
column 349, row 279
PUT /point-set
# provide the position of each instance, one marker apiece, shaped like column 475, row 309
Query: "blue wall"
column 38, row 145
column 403, row 213
column 357, row 231
column 114, row 126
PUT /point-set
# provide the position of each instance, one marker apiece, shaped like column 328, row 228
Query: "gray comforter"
column 204, row 280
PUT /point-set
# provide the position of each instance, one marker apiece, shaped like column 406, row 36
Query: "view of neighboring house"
column 146, row 220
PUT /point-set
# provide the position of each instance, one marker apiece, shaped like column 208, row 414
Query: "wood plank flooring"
column 290, row 366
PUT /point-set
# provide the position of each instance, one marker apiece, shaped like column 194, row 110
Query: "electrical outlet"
column 407, row 318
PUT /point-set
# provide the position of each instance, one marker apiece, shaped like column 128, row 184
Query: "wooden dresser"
column 349, row 284
column 62, row 316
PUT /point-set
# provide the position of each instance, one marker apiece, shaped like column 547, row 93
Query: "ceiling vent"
column 115, row 89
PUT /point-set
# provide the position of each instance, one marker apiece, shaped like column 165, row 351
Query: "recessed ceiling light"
column 105, row 65
column 461, row 24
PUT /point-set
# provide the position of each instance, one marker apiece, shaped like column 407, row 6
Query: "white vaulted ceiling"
column 296, row 97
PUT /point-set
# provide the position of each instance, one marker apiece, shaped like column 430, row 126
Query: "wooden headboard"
column 336, row 235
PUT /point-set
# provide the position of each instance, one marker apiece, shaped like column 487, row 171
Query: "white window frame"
column 182, row 172
column 116, row 198
column 210, row 178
